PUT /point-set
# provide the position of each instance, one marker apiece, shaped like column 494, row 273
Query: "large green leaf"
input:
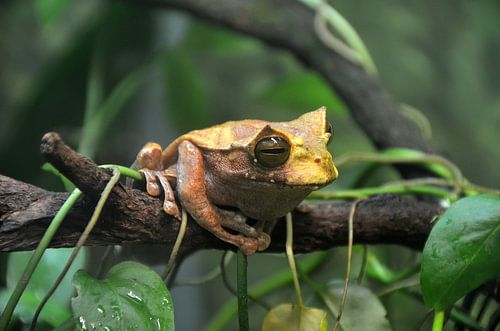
column 363, row 309
column 131, row 297
column 463, row 250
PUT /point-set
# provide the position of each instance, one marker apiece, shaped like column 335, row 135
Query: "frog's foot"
column 155, row 178
column 236, row 221
column 264, row 241
column 149, row 157
column 248, row 246
column 149, row 162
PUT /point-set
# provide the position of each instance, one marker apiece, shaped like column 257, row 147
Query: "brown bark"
column 132, row 217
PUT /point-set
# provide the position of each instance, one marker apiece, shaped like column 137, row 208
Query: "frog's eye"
column 329, row 129
column 272, row 152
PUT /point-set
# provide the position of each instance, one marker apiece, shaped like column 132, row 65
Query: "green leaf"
column 305, row 91
column 132, row 296
column 279, row 279
column 185, row 92
column 288, row 317
column 56, row 311
column 101, row 120
column 438, row 169
column 363, row 309
column 50, row 10
column 463, row 250
column 214, row 40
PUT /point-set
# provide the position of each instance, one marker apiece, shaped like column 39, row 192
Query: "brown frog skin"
column 262, row 169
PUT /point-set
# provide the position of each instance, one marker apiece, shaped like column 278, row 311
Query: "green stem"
column 427, row 160
column 438, row 323
column 380, row 272
column 345, row 30
column 370, row 191
column 35, row 258
column 222, row 267
column 177, row 245
column 364, row 261
column 349, row 264
column 417, row 117
column 279, row 279
column 241, row 267
column 408, row 159
column 129, row 172
column 68, row 185
column 83, row 238
column 465, row 320
column 291, row 259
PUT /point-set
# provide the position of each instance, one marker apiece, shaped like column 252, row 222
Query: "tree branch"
column 132, row 217
column 287, row 24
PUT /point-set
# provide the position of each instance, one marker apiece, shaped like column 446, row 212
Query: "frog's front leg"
column 149, row 161
column 191, row 188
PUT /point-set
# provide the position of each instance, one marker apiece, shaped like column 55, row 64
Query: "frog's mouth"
column 316, row 178
column 297, row 186
column 311, row 187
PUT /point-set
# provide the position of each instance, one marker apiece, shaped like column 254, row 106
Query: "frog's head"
column 297, row 150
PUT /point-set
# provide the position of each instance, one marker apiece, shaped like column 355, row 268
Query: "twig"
column 132, row 217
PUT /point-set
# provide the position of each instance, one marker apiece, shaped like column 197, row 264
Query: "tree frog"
column 250, row 168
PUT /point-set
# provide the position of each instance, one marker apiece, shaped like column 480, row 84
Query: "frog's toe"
column 153, row 189
column 171, row 208
column 150, row 156
column 249, row 246
column 263, row 240
column 152, row 186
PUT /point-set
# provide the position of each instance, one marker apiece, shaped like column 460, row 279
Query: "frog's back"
column 220, row 137
column 225, row 136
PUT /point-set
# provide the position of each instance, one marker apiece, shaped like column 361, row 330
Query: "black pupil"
column 272, row 152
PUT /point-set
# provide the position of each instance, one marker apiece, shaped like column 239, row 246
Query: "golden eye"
column 271, row 152
column 329, row 129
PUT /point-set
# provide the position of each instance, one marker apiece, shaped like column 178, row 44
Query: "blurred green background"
column 110, row 75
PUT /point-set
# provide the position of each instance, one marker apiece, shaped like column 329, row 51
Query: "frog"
column 229, row 173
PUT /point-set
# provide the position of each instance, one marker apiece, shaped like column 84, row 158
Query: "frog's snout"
column 328, row 167
column 324, row 171
column 331, row 171
column 335, row 171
